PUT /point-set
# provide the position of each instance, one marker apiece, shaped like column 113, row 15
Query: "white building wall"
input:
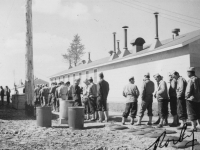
column 117, row 75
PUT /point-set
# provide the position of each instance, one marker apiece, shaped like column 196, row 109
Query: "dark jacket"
column 2, row 92
column 76, row 93
column 102, row 89
column 172, row 88
column 147, row 90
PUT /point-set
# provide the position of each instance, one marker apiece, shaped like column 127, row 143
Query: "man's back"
column 131, row 92
column 147, row 89
column 103, row 89
column 62, row 92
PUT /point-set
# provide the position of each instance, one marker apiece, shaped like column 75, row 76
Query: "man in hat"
column 102, row 94
column 192, row 95
column 85, row 98
column 92, row 99
column 173, row 100
column 147, row 99
column 180, row 93
column 76, row 93
column 162, row 97
column 131, row 93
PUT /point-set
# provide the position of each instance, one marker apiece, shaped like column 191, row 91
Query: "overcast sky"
column 55, row 22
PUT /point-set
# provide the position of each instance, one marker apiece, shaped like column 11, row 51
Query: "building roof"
column 168, row 44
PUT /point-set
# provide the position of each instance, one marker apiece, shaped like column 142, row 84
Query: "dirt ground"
column 18, row 131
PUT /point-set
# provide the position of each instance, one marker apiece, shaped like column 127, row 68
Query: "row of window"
column 80, row 76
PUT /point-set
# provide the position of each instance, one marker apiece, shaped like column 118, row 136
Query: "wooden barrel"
column 76, row 117
column 43, row 116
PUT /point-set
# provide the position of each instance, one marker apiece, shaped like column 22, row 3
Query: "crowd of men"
column 92, row 96
column 184, row 99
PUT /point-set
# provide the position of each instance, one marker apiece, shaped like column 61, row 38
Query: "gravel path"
column 17, row 131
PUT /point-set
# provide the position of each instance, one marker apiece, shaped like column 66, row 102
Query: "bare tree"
column 75, row 50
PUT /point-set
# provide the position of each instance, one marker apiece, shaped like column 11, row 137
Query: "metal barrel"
column 76, row 117
column 43, row 116
column 64, row 104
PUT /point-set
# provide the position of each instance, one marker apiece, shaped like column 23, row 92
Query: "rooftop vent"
column 137, row 44
column 175, row 32
column 114, row 54
column 125, row 50
column 89, row 60
column 156, row 42
column 118, row 48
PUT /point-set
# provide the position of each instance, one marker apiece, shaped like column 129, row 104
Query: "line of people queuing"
column 5, row 92
column 183, row 96
column 92, row 96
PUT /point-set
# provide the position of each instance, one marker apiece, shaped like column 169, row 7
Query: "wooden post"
column 29, row 81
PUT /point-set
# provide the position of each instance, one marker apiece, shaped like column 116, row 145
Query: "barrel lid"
column 77, row 107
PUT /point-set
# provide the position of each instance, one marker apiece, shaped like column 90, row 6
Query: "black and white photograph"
column 99, row 75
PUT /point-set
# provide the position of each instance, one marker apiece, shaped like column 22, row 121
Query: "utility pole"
column 29, row 77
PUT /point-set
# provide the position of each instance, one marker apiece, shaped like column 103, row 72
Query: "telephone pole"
column 29, row 81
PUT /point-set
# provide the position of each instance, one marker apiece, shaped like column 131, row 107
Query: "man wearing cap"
column 162, row 97
column 180, row 93
column 102, row 94
column 131, row 93
column 76, row 93
column 85, row 98
column 192, row 95
column 173, row 100
column 92, row 98
column 147, row 99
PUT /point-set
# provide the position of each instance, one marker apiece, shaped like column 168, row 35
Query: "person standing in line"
column 92, row 99
column 162, row 97
column 131, row 93
column 102, row 94
column 57, row 97
column 36, row 91
column 76, row 93
column 173, row 100
column 63, row 92
column 2, row 95
column 147, row 99
column 85, row 99
column 192, row 95
column 181, row 101
column 45, row 95
column 69, row 91
column 8, row 95
column 40, row 94
column 53, row 97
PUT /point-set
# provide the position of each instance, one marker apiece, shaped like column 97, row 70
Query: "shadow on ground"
column 9, row 113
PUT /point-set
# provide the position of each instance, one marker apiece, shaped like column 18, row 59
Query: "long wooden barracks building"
column 177, row 53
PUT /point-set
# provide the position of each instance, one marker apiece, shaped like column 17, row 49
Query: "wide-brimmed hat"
column 191, row 69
